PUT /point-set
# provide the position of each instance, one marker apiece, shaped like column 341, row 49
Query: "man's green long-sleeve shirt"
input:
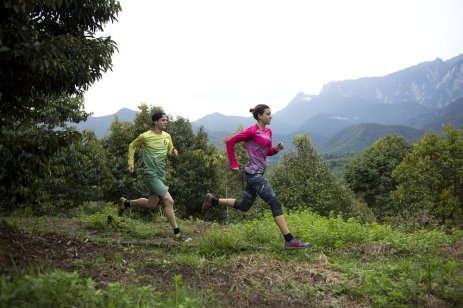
column 154, row 149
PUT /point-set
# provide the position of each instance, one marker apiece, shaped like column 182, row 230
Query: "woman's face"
column 266, row 117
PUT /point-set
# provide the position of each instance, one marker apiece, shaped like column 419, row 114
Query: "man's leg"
column 169, row 210
column 149, row 203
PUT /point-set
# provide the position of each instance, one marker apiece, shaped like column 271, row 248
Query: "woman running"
column 258, row 143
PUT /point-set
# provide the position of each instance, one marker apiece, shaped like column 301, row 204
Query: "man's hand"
column 175, row 152
column 130, row 168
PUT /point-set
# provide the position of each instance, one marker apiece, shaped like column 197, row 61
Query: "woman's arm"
column 230, row 145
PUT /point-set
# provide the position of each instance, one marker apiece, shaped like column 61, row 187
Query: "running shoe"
column 295, row 243
column 207, row 203
column 121, row 206
column 182, row 237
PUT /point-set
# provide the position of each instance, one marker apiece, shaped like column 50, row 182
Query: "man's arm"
column 132, row 146
column 171, row 149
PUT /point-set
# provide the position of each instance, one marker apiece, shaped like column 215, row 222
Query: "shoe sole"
column 187, row 241
column 296, row 248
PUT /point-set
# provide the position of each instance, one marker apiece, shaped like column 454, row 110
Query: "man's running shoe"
column 121, row 206
column 207, row 203
column 182, row 237
column 295, row 243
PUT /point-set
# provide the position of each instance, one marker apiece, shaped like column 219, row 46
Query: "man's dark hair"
column 157, row 115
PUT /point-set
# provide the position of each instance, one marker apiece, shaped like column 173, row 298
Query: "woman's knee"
column 275, row 206
column 245, row 203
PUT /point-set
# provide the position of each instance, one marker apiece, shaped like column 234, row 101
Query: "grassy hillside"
column 356, row 138
column 86, row 260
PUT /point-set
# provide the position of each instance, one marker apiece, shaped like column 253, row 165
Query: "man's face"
column 161, row 123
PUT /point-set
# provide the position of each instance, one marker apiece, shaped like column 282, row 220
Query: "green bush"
column 301, row 181
column 63, row 289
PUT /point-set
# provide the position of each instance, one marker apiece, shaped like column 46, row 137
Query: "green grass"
column 372, row 264
column 61, row 289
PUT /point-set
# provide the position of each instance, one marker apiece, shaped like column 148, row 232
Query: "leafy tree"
column 195, row 171
column 116, row 147
column 431, row 177
column 49, row 55
column 301, row 180
column 369, row 174
column 80, row 172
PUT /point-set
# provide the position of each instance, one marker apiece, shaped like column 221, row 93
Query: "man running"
column 155, row 145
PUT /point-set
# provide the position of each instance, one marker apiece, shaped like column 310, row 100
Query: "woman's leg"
column 281, row 223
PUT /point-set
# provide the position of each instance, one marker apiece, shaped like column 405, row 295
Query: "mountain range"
column 349, row 115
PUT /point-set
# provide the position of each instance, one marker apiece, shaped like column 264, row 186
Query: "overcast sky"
column 196, row 57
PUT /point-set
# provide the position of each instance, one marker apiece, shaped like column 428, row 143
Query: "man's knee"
column 168, row 200
column 152, row 201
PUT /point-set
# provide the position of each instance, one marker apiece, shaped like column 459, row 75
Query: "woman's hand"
column 280, row 146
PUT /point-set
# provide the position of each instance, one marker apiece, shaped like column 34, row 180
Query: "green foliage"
column 196, row 169
column 301, row 180
column 263, row 231
column 80, row 173
column 218, row 243
column 49, row 55
column 373, row 263
column 26, row 162
column 62, row 289
column 369, row 174
column 431, row 178
column 337, row 162
column 390, row 267
column 50, row 48
column 116, row 145
column 127, row 226
column 181, row 297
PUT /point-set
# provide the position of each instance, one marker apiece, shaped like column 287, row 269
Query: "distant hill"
column 217, row 122
column 101, row 124
column 358, row 137
column 393, row 99
column 451, row 114
column 433, row 84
